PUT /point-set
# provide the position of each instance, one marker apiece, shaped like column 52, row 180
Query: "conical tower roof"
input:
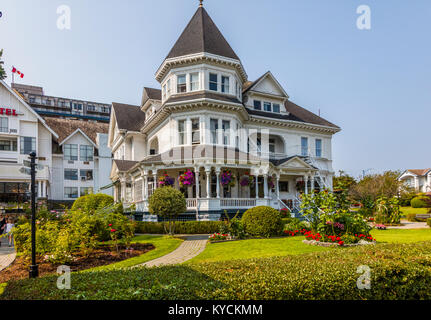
column 202, row 35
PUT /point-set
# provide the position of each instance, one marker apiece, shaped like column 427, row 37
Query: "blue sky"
column 375, row 83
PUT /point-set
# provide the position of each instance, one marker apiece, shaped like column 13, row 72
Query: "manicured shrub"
column 93, row 202
column 262, row 222
column 429, row 222
column 187, row 227
column 398, row 272
column 420, row 202
column 169, row 203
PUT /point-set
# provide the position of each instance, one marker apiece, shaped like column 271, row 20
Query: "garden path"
column 410, row 225
column 7, row 254
column 192, row 246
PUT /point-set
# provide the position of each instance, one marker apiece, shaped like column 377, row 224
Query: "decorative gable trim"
column 261, row 79
column 81, row 132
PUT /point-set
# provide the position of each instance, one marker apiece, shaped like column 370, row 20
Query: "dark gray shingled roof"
column 128, row 117
column 202, row 95
column 202, row 35
column 125, row 165
column 151, row 94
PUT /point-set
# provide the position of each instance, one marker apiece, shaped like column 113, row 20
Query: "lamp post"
column 34, row 269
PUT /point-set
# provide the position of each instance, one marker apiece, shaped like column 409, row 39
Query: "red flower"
column 113, row 230
column 341, row 243
column 110, row 225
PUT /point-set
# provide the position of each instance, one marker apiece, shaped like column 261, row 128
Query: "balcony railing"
column 237, row 203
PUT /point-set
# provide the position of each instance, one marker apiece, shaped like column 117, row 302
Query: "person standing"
column 9, row 227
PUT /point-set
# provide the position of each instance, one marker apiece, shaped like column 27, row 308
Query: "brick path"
column 7, row 254
column 190, row 248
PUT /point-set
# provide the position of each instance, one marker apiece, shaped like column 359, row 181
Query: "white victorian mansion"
column 228, row 143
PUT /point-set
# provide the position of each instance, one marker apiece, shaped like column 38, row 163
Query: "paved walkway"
column 410, row 225
column 190, row 248
column 7, row 254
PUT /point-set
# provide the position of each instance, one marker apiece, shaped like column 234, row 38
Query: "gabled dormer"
column 265, row 95
column 151, row 102
column 201, row 61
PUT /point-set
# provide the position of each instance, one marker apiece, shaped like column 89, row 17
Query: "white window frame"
column 194, row 85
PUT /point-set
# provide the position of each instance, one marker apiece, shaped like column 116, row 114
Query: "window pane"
column 71, row 192
column 194, row 81
column 196, row 134
column 214, row 129
column 71, row 174
column 318, row 148
column 181, row 132
column 181, row 84
column 276, row 108
column 86, row 153
column 225, row 84
column 226, row 132
column 87, row 174
column 257, row 105
column 27, row 145
column 71, row 152
column 267, row 106
column 4, row 124
column 304, row 147
column 213, row 82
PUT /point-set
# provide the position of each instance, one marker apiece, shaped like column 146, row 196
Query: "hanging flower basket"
column 166, row 181
column 187, row 179
column 227, row 178
column 246, row 180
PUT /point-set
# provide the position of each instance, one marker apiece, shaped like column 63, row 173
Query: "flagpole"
column 13, row 75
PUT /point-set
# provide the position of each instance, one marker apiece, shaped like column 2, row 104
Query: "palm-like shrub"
column 168, row 203
column 262, row 222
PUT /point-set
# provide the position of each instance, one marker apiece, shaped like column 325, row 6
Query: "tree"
column 372, row 187
column 3, row 74
column 343, row 181
column 168, row 203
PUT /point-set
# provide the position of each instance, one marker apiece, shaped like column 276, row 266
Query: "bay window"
column 196, row 133
column 214, row 130
column 226, row 132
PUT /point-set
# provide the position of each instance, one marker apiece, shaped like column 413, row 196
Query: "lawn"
column 409, row 210
column 402, row 236
column 163, row 244
column 247, row 249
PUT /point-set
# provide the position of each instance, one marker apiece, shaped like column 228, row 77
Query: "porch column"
column 197, row 182
column 306, row 184
column 43, row 189
column 155, row 179
column 313, row 181
column 133, row 189
column 277, row 186
column 144, row 186
column 123, row 189
column 39, row 189
column 265, row 186
column 208, row 184
column 218, row 183
column 257, row 185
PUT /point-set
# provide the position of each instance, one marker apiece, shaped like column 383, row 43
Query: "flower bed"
column 216, row 237
column 380, row 227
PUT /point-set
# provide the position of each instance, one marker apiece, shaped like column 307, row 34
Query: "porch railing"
column 237, row 203
column 192, row 203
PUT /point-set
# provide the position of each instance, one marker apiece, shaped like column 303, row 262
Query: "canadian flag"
column 14, row 70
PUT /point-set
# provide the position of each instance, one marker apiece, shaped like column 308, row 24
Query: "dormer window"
column 194, row 81
column 181, row 84
column 213, row 82
column 257, row 105
column 225, row 84
column 267, row 106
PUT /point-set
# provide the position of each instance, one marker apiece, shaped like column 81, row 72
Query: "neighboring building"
column 417, row 179
column 22, row 131
column 57, row 107
column 81, row 159
column 207, row 117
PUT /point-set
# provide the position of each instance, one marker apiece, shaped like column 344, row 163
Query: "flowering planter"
column 332, row 244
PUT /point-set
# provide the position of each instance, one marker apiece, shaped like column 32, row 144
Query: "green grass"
column 409, row 210
column 402, row 236
column 163, row 244
column 256, row 248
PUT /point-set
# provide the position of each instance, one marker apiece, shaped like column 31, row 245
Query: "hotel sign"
column 9, row 112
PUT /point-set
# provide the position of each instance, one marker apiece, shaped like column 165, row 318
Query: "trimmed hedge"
column 429, row 222
column 188, row 227
column 262, row 222
column 398, row 271
column 419, row 202
column 93, row 202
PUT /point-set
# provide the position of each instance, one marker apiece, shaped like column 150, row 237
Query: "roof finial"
column 201, row 3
